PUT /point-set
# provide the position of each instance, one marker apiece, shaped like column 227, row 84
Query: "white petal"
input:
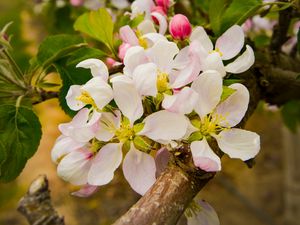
column 200, row 35
column 105, row 163
column 99, row 90
column 242, row 63
column 145, row 78
column 64, row 145
column 152, row 38
column 146, row 27
column 231, row 42
column 182, row 102
column 120, row 4
column 73, row 93
column 238, row 143
column 75, row 166
column 134, row 56
column 108, row 125
column 139, row 170
column 204, row 157
column 206, row 216
column 128, row 36
column 162, row 21
column 233, row 109
column 86, row 191
column 209, row 86
column 97, row 67
column 127, row 97
column 83, row 126
column 214, row 62
column 182, row 59
column 165, row 126
column 162, row 54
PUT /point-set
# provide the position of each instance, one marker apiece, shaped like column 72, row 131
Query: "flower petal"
column 200, row 35
column 162, row 54
column 64, row 145
column 242, row 63
column 182, row 102
column 152, row 38
column 238, row 143
column 86, row 191
column 73, row 92
column 205, row 216
column 99, row 90
column 128, row 36
column 75, row 166
column 164, row 126
column 162, row 21
column 97, row 67
column 145, row 78
column 127, row 97
column 146, row 26
column 139, row 170
column 214, row 62
column 134, row 56
column 231, row 42
column 204, row 157
column 108, row 124
column 209, row 86
column 233, row 109
column 107, row 160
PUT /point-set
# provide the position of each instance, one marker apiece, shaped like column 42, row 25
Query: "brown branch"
column 36, row 204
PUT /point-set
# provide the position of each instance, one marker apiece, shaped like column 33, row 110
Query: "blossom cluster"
column 169, row 93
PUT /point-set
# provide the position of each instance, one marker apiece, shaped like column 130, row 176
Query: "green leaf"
column 227, row 91
column 291, row 114
column 20, row 134
column 238, row 12
column 56, row 47
column 216, row 11
column 70, row 75
column 3, row 155
column 83, row 54
column 98, row 25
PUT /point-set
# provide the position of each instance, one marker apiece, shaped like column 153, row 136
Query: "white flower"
column 217, row 119
column 228, row 45
column 96, row 92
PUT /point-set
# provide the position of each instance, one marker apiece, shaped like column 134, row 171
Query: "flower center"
column 86, row 99
column 162, row 82
column 142, row 41
column 217, row 50
column 125, row 132
column 210, row 125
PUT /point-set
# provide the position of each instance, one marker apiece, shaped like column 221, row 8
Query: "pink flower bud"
column 165, row 4
column 180, row 27
column 76, row 2
column 123, row 49
column 110, row 62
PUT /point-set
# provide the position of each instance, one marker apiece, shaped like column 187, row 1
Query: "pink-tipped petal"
column 162, row 158
column 85, row 191
column 139, row 170
column 128, row 36
column 162, row 21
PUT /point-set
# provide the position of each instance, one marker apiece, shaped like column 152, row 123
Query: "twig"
column 36, row 204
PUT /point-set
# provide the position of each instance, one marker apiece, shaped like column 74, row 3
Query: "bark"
column 36, row 204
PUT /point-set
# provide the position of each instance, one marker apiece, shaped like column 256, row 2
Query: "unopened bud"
column 165, row 4
column 180, row 27
column 76, row 2
column 123, row 49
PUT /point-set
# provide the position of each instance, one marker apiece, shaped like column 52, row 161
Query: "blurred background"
column 267, row 194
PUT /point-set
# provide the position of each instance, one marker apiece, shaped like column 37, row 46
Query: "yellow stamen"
column 162, row 82
column 217, row 50
column 142, row 41
column 125, row 132
column 210, row 124
column 86, row 99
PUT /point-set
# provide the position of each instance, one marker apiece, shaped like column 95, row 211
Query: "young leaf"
column 238, row 12
column 55, row 47
column 216, row 10
column 3, row 154
column 98, row 25
column 20, row 134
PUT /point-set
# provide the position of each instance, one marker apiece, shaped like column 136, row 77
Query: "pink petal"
column 128, row 36
column 86, row 191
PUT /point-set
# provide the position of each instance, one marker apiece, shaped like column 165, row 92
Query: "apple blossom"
column 180, row 27
column 228, row 46
column 217, row 119
column 165, row 4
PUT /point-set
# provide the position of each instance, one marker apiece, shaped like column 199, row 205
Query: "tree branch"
column 36, row 204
